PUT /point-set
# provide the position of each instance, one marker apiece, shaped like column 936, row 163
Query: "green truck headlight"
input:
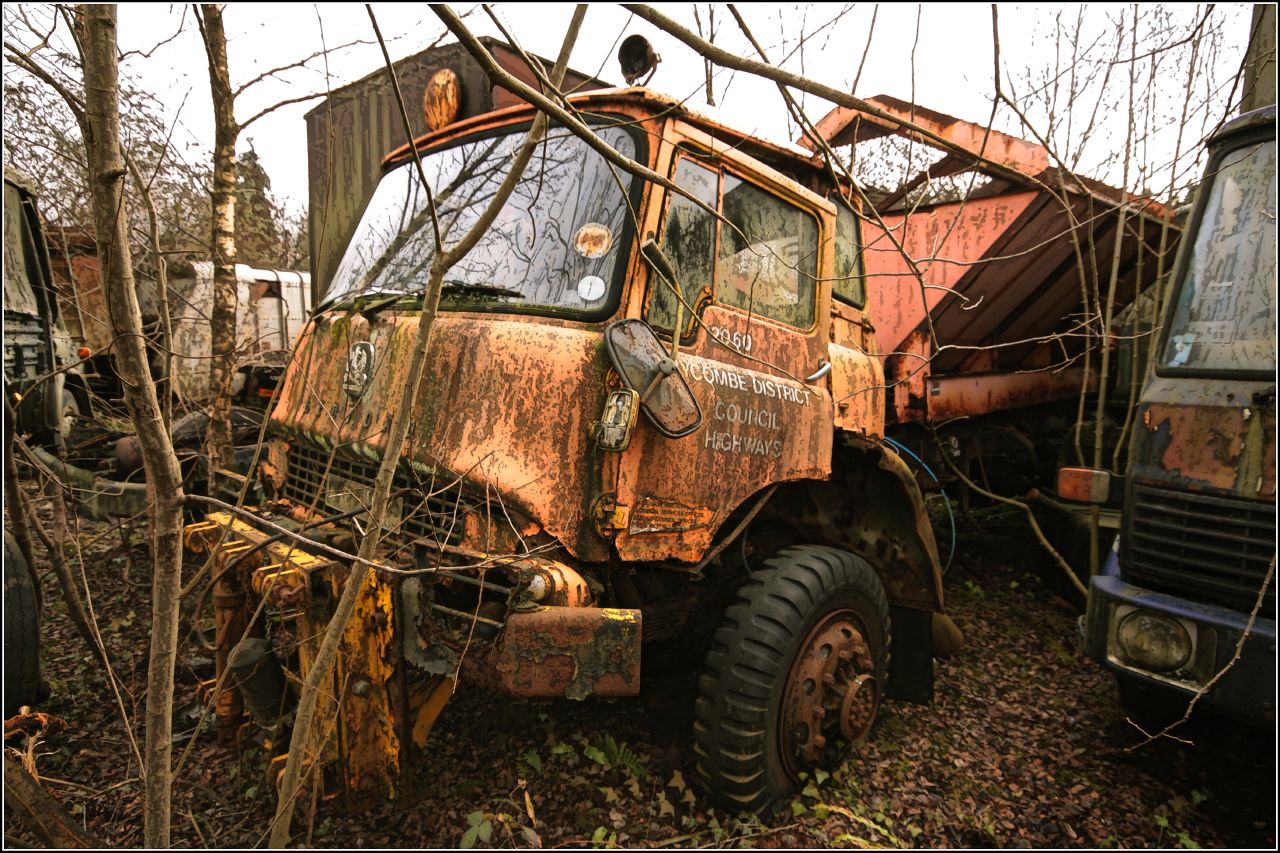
column 1153, row 641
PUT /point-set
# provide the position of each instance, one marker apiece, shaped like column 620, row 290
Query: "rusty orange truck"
column 649, row 414
column 642, row 418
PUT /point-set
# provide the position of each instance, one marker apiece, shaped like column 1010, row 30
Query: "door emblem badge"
column 359, row 370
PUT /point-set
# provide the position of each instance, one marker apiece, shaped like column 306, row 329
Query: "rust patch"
column 368, row 738
column 857, row 391
column 977, row 394
column 477, row 395
column 276, row 465
column 593, row 240
column 1202, row 443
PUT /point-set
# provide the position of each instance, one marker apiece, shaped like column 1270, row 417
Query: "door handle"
column 824, row 367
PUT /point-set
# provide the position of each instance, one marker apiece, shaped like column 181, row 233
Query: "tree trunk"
column 300, row 743
column 164, row 480
column 1260, row 59
column 13, row 499
column 222, row 320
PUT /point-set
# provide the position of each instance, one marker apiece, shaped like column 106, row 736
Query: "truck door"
column 752, row 326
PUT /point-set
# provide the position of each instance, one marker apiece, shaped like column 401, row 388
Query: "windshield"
column 1225, row 313
column 19, row 284
column 557, row 242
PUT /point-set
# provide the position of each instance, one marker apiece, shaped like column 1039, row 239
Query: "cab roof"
column 808, row 170
column 1265, row 117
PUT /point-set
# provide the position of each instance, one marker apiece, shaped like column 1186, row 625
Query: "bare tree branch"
column 298, row 64
column 286, row 102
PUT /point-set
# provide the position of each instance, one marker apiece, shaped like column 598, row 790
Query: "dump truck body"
column 992, row 263
column 988, row 271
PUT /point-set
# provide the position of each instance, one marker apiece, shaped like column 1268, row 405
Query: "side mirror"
column 645, row 368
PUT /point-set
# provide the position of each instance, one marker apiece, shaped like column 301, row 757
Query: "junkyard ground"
column 1024, row 745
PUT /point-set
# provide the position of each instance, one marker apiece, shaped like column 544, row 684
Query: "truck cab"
column 35, row 342
column 647, row 413
column 1185, row 603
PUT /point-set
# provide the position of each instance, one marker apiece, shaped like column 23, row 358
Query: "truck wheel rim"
column 830, row 692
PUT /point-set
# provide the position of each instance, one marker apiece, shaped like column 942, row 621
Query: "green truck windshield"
column 556, row 243
column 1225, row 313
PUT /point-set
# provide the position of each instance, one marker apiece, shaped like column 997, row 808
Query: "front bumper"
column 1246, row 690
column 402, row 650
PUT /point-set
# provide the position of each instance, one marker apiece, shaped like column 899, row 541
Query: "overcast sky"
column 940, row 56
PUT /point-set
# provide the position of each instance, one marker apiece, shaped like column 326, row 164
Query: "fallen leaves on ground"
column 1023, row 745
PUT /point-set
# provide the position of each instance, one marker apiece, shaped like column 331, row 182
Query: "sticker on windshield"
column 591, row 288
column 593, row 240
column 1181, row 349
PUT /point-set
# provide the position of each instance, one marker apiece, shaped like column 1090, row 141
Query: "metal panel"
column 975, row 394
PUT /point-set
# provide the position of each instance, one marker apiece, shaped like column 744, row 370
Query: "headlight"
column 1153, row 641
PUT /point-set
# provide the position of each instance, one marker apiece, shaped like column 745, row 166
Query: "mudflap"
column 911, row 665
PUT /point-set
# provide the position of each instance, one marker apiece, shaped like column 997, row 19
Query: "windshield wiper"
column 370, row 309
column 464, row 288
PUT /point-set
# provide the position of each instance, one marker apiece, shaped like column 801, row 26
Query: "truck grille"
column 26, row 352
column 433, row 512
column 1201, row 547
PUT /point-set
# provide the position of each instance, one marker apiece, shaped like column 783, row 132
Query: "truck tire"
column 21, row 631
column 796, row 667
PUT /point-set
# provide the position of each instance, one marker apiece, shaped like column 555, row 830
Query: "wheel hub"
column 830, row 691
column 858, row 708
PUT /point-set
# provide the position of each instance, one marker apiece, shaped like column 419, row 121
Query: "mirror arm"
column 666, row 367
column 656, row 258
column 675, row 335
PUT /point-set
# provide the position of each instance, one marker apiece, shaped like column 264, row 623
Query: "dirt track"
column 1024, row 745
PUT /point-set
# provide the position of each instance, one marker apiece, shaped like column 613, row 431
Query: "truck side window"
column 689, row 240
column 768, row 260
column 848, row 284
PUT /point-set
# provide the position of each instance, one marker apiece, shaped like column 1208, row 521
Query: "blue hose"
column 950, row 513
